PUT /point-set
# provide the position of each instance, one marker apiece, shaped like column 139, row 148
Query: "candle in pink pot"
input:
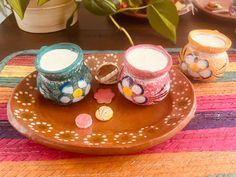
column 144, row 78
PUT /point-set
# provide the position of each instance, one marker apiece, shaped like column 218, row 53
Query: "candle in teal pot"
column 63, row 76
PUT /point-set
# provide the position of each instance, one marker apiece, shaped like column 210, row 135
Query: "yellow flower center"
column 78, row 93
column 194, row 67
column 127, row 91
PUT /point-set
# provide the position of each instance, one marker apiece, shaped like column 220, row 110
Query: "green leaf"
column 163, row 17
column 102, row 7
column 19, row 6
column 42, row 2
column 3, row 8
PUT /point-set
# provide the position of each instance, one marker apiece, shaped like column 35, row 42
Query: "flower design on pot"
column 131, row 91
column 71, row 94
column 195, row 67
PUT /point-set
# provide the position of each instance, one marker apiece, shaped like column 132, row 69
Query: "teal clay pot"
column 59, row 80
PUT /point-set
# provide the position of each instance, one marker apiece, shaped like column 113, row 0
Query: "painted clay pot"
column 63, row 76
column 204, row 57
column 144, row 78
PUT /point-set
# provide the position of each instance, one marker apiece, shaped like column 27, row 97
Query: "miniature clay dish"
column 221, row 9
column 132, row 127
column 107, row 73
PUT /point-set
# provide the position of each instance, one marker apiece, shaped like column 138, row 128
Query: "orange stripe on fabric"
column 231, row 67
column 217, row 88
column 16, row 71
column 5, row 94
column 160, row 164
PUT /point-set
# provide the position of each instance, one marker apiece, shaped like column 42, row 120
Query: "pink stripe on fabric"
column 26, row 150
column 216, row 103
column 232, row 57
column 22, row 60
column 221, row 139
column 3, row 111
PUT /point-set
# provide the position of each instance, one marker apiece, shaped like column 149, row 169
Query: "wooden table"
column 207, row 146
column 98, row 33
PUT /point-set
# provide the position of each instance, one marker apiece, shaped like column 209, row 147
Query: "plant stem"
column 132, row 8
column 122, row 29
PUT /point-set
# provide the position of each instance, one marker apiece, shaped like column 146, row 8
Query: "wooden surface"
column 98, row 33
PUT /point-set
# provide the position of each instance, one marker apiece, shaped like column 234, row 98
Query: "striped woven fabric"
column 206, row 147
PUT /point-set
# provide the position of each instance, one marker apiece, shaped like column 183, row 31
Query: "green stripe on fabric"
column 9, row 81
column 228, row 76
column 222, row 175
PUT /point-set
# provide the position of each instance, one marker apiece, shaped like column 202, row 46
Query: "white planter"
column 50, row 17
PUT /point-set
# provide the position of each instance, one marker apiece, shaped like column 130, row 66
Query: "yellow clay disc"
column 104, row 113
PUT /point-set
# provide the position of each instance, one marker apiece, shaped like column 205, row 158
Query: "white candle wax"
column 57, row 59
column 209, row 40
column 147, row 59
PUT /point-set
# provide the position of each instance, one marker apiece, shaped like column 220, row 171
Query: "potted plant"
column 161, row 14
column 42, row 16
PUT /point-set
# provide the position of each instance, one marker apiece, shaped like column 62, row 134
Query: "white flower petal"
column 137, row 89
column 82, row 84
column 87, row 89
column 127, row 81
column 65, row 99
column 189, row 59
column 77, row 99
column 68, row 89
column 202, row 64
column 140, row 99
column 184, row 66
column 206, row 73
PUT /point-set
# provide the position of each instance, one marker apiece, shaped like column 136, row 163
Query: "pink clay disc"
column 83, row 121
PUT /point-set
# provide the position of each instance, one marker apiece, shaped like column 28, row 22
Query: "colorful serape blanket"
column 206, row 146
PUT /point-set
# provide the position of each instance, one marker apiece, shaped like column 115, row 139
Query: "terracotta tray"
column 132, row 128
column 201, row 4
